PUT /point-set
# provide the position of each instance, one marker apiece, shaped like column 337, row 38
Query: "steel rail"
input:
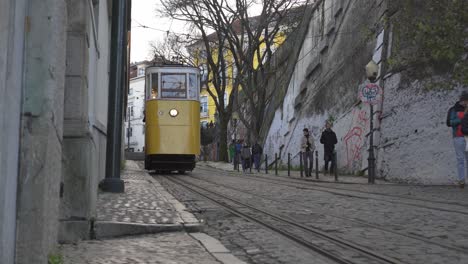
column 419, row 238
column 308, row 186
column 368, row 253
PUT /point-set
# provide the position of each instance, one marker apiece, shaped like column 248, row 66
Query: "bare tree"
column 225, row 26
column 172, row 49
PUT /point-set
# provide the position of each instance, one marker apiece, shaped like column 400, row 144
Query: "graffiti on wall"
column 355, row 139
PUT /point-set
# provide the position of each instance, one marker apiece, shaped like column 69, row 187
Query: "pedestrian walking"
column 307, row 148
column 257, row 152
column 455, row 116
column 246, row 155
column 328, row 139
column 232, row 151
column 237, row 154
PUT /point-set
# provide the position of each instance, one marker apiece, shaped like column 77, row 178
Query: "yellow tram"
column 172, row 116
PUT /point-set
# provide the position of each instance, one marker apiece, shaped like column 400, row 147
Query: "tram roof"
column 170, row 65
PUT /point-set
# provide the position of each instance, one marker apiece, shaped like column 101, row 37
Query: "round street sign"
column 371, row 94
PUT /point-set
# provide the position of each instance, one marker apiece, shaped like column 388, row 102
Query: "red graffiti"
column 354, row 144
column 354, row 139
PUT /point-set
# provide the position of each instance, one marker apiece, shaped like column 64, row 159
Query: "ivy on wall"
column 430, row 38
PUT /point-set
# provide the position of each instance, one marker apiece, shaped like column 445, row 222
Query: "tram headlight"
column 173, row 112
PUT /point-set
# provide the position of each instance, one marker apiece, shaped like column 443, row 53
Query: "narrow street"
column 268, row 219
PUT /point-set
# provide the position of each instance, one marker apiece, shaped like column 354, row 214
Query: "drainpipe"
column 112, row 181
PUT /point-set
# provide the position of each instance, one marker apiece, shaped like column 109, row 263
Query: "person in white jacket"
column 307, row 149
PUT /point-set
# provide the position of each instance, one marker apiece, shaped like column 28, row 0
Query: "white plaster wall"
column 416, row 143
column 137, row 100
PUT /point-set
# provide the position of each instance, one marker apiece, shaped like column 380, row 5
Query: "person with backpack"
column 257, row 152
column 456, row 120
column 307, row 149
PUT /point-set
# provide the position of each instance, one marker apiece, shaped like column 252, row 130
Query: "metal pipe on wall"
column 118, row 55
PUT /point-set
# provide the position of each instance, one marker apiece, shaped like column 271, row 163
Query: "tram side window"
column 173, row 85
column 154, row 86
column 193, row 86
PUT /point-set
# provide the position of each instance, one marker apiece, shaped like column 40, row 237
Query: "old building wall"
column 85, row 115
column 42, row 128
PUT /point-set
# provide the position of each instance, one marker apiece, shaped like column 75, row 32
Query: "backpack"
column 449, row 114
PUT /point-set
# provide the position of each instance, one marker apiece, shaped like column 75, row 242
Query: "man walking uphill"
column 257, row 152
column 328, row 139
column 454, row 120
column 307, row 148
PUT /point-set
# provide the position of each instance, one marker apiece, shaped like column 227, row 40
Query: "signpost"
column 371, row 94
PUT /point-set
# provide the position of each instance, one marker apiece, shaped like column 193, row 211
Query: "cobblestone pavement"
column 421, row 232
column 164, row 248
column 144, row 201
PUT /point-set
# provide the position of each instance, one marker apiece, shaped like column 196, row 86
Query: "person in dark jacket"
column 454, row 119
column 246, row 155
column 237, row 154
column 257, row 152
column 328, row 139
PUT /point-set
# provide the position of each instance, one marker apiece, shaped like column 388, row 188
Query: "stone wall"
column 85, row 117
column 41, row 131
column 412, row 141
column 324, row 85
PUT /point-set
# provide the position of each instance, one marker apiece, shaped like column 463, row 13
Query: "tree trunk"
column 223, row 125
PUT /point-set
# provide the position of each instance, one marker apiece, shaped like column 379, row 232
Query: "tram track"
column 374, row 226
column 302, row 184
column 331, row 247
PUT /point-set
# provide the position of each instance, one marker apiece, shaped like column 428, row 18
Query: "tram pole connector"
column 289, row 164
column 300, row 164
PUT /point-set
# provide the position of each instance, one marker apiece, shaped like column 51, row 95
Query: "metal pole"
column 316, row 165
column 251, row 158
column 266, row 164
column 289, row 164
column 371, row 159
column 112, row 181
column 128, row 130
column 276, row 164
column 300, row 164
column 335, row 165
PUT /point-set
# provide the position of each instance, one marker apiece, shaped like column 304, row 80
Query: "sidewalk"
column 145, row 224
column 345, row 179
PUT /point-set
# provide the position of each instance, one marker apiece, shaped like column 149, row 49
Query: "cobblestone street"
column 408, row 224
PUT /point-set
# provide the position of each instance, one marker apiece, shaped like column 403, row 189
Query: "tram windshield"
column 173, row 85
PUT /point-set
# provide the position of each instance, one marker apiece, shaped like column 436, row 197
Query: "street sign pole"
column 371, row 94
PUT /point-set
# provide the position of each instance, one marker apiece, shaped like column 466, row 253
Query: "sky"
column 145, row 12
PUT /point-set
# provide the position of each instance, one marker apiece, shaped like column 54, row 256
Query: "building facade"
column 54, row 78
column 134, row 125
